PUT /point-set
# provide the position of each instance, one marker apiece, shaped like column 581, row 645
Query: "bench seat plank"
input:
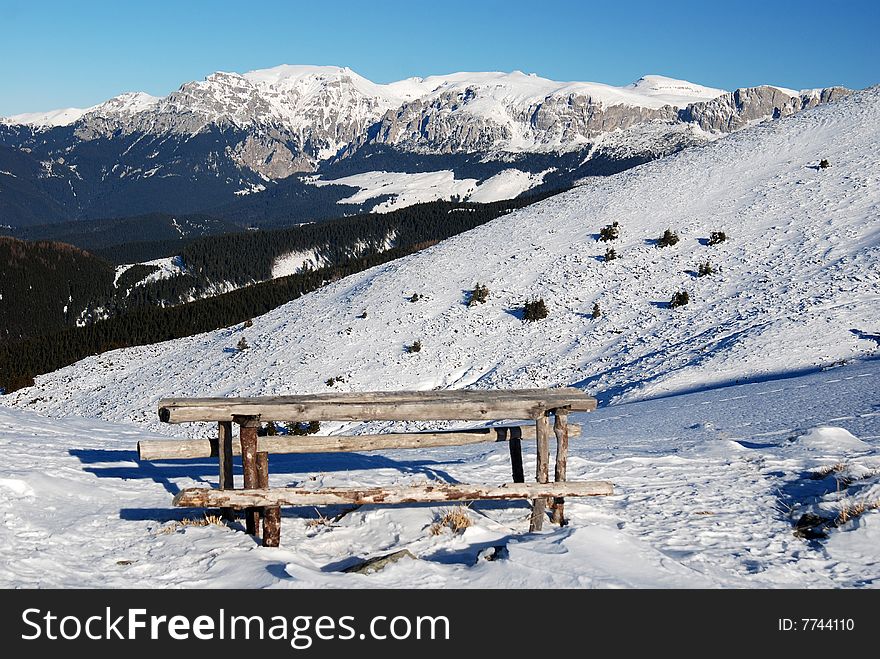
column 200, row 497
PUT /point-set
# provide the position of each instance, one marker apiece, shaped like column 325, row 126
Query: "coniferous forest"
column 80, row 307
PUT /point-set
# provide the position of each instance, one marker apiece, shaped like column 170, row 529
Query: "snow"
column 649, row 91
column 407, row 189
column 52, row 118
column 507, row 184
column 125, row 105
column 170, row 266
column 706, row 493
column 518, row 88
column 832, row 439
column 293, row 94
column 297, row 261
column 712, row 416
column 302, row 77
column 251, row 189
column 670, row 91
column 313, row 259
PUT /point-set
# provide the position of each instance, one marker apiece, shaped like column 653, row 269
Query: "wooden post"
column 271, row 514
column 248, row 433
column 514, row 442
column 560, row 428
column 224, row 455
column 542, row 430
column 262, row 469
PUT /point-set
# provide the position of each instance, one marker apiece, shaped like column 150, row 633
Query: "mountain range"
column 298, row 143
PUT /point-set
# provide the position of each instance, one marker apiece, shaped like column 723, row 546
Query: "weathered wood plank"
column 463, row 405
column 224, row 454
column 542, row 427
column 430, row 493
column 182, row 449
column 560, row 429
column 394, row 396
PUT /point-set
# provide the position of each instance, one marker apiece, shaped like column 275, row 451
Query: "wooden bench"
column 260, row 502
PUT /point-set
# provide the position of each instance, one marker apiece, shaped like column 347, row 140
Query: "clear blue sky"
column 78, row 53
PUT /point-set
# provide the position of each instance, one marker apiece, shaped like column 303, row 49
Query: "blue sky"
column 58, row 54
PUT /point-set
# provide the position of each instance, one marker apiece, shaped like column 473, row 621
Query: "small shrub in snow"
column 610, row 254
column 534, row 310
column 186, row 522
column 824, row 164
column 717, row 237
column 242, row 344
column 268, row 429
column 597, row 312
column 853, row 510
column 301, row 428
column 249, row 323
column 705, row 269
column 457, row 520
column 680, row 299
column 609, row 232
column 415, row 346
column 668, row 239
column 334, row 380
column 479, row 295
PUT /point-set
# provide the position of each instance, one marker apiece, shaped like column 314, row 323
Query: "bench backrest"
column 468, row 404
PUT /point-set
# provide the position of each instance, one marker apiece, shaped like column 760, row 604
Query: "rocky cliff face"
column 295, row 116
column 447, row 124
column 735, row 110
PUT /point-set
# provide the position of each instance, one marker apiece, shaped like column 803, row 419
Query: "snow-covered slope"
column 62, row 117
column 797, row 288
column 708, row 486
column 404, row 189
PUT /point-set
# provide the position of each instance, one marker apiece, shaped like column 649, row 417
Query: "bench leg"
column 542, row 431
column 248, row 434
column 514, row 442
column 560, row 428
column 224, row 454
column 271, row 526
column 271, row 515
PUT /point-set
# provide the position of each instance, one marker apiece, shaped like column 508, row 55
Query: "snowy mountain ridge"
column 307, row 114
column 288, row 88
column 240, row 144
